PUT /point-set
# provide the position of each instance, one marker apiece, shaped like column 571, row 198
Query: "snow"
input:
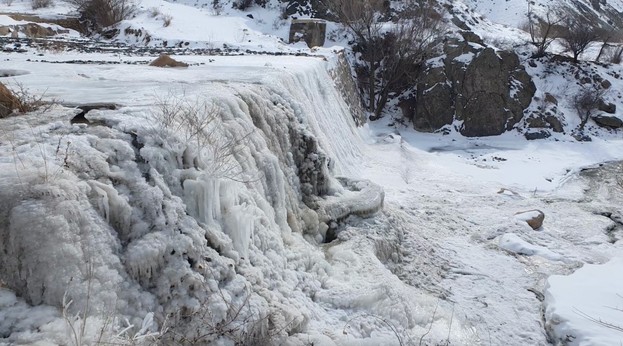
column 427, row 248
column 513, row 243
column 584, row 308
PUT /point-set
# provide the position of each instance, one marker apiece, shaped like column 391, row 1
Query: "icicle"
column 202, row 199
column 239, row 223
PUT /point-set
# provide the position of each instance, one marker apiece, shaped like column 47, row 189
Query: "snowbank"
column 586, row 307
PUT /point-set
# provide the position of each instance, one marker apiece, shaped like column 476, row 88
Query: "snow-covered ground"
column 445, row 261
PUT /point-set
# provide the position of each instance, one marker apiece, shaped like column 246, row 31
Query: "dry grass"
column 10, row 102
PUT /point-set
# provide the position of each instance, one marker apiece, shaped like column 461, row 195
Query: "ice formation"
column 208, row 233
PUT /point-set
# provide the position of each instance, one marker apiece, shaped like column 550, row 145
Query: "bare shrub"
column 245, row 4
column 578, row 33
column 614, row 54
column 217, row 6
column 154, row 12
column 7, row 2
column 541, row 30
column 197, row 122
column 104, row 13
column 166, row 20
column 242, row 325
column 390, row 52
column 586, row 101
column 36, row 4
column 20, row 100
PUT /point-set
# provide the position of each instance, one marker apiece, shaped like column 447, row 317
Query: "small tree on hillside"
column 578, row 34
column 586, row 101
column 103, row 13
column 542, row 29
column 390, row 51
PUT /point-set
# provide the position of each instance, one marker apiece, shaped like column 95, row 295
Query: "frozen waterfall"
column 204, row 228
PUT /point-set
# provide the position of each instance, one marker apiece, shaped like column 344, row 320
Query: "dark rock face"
column 486, row 90
column 608, row 121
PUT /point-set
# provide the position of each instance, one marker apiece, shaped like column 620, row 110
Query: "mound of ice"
column 513, row 243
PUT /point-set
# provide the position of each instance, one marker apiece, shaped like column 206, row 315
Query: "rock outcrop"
column 484, row 90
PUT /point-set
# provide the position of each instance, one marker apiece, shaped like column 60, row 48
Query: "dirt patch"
column 166, row 61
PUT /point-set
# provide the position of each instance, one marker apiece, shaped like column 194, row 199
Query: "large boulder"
column 483, row 89
column 607, row 107
column 610, row 121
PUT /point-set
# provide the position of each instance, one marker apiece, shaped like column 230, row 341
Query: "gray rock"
column 537, row 135
column 549, row 98
column 610, row 108
column 610, row 121
column 486, row 90
column 544, row 121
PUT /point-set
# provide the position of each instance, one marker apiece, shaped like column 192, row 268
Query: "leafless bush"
column 242, row 325
column 578, row 33
column 197, row 121
column 217, row 6
column 104, row 13
column 245, row 4
column 614, row 54
column 391, row 52
column 541, row 30
column 36, row 4
column 586, row 101
column 7, row 2
column 166, row 20
column 154, row 12
column 20, row 100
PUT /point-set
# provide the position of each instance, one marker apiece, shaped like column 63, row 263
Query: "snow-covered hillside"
column 236, row 201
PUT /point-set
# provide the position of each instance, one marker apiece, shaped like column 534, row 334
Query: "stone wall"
column 312, row 31
column 345, row 83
